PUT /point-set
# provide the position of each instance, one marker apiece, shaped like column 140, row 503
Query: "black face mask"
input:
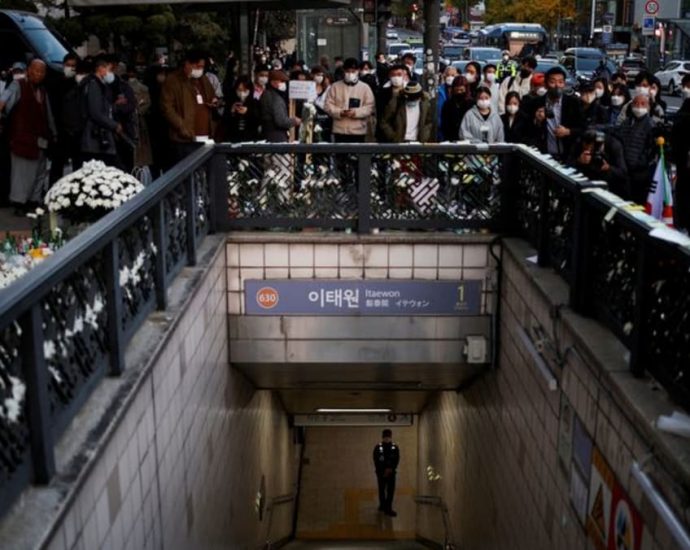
column 524, row 73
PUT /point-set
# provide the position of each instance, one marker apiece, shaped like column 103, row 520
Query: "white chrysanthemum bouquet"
column 91, row 192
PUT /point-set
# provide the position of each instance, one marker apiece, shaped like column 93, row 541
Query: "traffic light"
column 384, row 10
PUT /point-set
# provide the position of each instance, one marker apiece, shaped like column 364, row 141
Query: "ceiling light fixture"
column 353, row 410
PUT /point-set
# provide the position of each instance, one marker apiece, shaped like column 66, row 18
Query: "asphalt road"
column 672, row 101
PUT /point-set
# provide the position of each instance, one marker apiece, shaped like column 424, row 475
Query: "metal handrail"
column 274, row 503
column 438, row 502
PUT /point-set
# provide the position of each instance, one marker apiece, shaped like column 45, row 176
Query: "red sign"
column 651, row 7
column 267, row 297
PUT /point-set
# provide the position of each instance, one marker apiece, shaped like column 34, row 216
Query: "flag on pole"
column 660, row 198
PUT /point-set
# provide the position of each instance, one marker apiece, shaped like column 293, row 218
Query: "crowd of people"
column 151, row 117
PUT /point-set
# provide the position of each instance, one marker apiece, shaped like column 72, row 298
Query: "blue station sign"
column 346, row 297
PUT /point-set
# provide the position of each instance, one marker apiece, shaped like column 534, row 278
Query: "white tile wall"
column 155, row 463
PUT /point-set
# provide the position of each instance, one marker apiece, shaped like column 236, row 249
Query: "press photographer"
column 600, row 157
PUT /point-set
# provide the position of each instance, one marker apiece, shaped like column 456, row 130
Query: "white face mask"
column 617, row 100
column 69, row 72
column 639, row 112
column 686, row 93
column 652, row 92
column 541, row 91
column 18, row 76
column 490, row 77
column 512, row 108
column 109, row 78
column 197, row 73
column 282, row 86
column 365, row 72
column 470, row 77
column 351, row 78
column 642, row 90
column 506, row 58
column 79, row 78
column 243, row 95
column 598, row 93
column 262, row 80
column 318, row 78
column 483, row 103
column 396, row 81
column 449, row 80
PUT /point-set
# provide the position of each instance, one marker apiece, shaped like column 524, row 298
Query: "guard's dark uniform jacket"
column 386, row 456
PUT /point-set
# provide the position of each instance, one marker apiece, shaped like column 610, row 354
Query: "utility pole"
column 432, row 21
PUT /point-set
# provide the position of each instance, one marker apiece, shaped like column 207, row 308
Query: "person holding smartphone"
column 350, row 102
column 241, row 118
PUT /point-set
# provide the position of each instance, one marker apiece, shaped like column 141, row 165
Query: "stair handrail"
column 274, row 503
column 438, row 502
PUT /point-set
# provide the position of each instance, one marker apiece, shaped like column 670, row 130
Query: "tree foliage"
column 278, row 25
column 545, row 12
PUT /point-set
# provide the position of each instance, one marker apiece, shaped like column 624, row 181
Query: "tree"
column 545, row 12
column 278, row 24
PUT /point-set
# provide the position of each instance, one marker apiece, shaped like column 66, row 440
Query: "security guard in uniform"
column 506, row 68
column 386, row 459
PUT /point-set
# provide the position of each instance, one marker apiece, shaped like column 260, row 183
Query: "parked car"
column 396, row 49
column 631, row 67
column 24, row 36
column 392, row 35
column 544, row 64
column 452, row 52
column 481, row 54
column 672, row 74
column 583, row 65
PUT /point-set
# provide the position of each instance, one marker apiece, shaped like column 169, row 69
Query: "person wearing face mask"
column 515, row 122
column 338, row 71
column 680, row 142
column 260, row 80
column 31, row 130
column 506, row 68
column 100, row 127
column 275, row 121
column 637, row 135
column 322, row 119
column 481, row 123
column 188, row 102
column 600, row 157
column 409, row 117
column 620, row 96
column 562, row 119
column 66, row 106
column 489, row 80
column 595, row 114
column 657, row 100
column 520, row 83
column 350, row 103
column 241, row 118
column 409, row 60
column 18, row 71
column 444, row 92
column 643, row 82
column 397, row 78
column 601, row 91
column 368, row 75
column 472, row 74
column 454, row 109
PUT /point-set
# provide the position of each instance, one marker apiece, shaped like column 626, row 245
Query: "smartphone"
column 354, row 103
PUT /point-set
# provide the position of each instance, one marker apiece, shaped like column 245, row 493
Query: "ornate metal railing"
column 364, row 186
column 619, row 271
column 65, row 324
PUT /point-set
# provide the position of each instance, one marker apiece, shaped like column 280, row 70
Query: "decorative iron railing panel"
column 67, row 322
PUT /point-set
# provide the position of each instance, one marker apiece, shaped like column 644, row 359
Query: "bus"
column 520, row 39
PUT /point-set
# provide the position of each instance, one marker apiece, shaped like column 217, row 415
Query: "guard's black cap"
column 387, row 433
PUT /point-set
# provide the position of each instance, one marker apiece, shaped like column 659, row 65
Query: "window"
column 671, row 67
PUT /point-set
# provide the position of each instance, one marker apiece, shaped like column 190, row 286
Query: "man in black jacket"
column 386, row 459
column 563, row 117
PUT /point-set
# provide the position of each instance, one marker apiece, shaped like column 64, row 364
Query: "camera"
column 102, row 137
column 598, row 139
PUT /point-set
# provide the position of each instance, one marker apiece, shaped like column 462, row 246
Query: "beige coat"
column 338, row 100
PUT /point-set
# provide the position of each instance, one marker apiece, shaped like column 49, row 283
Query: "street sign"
column 648, row 24
column 651, row 7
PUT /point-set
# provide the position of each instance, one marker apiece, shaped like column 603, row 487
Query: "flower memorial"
column 91, row 192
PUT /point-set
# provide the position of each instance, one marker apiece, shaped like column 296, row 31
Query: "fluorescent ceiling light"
column 353, row 410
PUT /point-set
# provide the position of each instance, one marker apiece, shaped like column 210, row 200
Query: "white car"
column 672, row 74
